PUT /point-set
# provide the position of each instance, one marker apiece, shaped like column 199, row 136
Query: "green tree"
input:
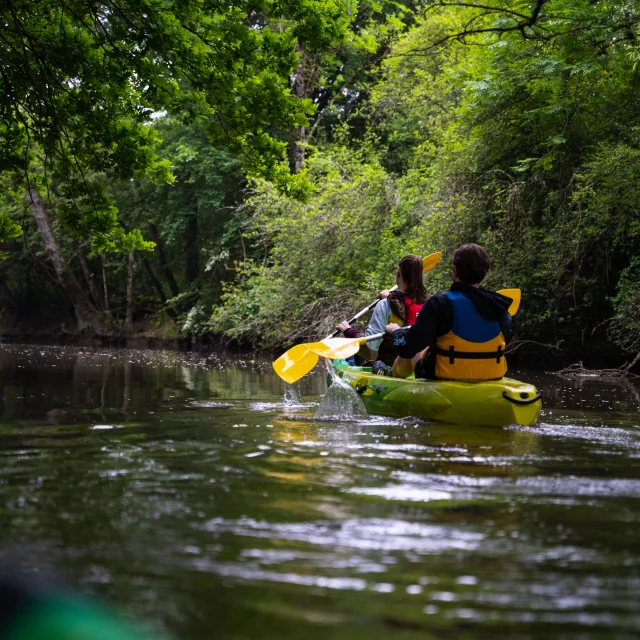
column 196, row 221
column 512, row 124
column 81, row 79
column 497, row 115
column 320, row 258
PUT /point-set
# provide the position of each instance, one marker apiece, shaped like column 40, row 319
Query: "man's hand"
column 384, row 294
column 391, row 327
column 343, row 326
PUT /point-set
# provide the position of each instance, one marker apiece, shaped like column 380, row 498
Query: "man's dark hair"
column 472, row 263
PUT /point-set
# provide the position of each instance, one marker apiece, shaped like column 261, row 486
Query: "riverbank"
column 150, row 334
column 154, row 335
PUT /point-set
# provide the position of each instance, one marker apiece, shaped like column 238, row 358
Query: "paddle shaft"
column 375, row 336
column 360, row 314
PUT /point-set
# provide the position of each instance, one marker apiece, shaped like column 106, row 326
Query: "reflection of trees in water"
column 126, row 393
column 60, row 382
column 63, row 382
column 244, row 382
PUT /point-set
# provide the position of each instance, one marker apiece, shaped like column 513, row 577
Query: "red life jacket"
column 413, row 309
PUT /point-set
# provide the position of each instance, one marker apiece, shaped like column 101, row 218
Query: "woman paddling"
column 400, row 307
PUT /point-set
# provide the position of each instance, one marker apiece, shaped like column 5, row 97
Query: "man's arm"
column 505, row 323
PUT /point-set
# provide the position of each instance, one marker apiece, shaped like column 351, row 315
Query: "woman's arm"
column 377, row 323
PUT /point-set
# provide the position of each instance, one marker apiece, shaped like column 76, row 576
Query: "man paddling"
column 462, row 329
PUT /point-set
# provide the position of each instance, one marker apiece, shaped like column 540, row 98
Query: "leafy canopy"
column 81, row 79
column 509, row 123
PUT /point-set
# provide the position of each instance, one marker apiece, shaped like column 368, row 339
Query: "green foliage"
column 607, row 220
column 207, row 181
column 82, row 79
column 197, row 214
column 624, row 328
column 325, row 256
column 505, row 134
column 512, row 124
column 88, row 211
column 340, row 78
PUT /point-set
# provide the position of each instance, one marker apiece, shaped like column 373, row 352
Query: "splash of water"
column 341, row 402
column 291, row 395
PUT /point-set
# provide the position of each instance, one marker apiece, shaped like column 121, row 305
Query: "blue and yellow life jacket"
column 474, row 347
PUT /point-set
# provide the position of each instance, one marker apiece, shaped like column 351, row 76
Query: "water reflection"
column 185, row 489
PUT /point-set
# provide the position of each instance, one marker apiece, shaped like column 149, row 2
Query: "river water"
column 184, row 491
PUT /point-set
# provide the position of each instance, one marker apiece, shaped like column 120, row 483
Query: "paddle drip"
column 291, row 394
column 341, row 402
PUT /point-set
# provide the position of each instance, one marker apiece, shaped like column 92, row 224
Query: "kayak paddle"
column 340, row 348
column 431, row 261
column 295, row 363
column 515, row 295
column 343, row 348
column 298, row 361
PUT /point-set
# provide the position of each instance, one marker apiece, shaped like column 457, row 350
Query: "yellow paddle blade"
column 431, row 261
column 515, row 295
column 336, row 348
column 295, row 363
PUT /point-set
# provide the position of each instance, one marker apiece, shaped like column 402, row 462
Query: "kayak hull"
column 492, row 403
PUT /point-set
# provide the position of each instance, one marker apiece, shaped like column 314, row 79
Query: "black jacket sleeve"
column 505, row 323
column 435, row 319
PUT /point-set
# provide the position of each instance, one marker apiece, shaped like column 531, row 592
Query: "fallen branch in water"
column 578, row 370
column 516, row 344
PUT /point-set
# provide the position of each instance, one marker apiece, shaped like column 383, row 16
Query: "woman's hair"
column 411, row 272
column 471, row 262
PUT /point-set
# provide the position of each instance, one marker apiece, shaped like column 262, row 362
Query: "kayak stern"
column 492, row 402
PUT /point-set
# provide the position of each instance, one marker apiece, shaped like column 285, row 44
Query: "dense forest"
column 254, row 172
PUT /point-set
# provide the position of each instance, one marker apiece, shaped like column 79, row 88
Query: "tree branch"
column 524, row 22
column 516, row 344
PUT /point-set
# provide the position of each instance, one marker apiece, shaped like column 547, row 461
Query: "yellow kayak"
column 492, row 403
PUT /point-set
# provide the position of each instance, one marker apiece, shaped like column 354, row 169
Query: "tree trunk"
column 88, row 276
column 86, row 313
column 104, row 287
column 296, row 142
column 164, row 265
column 157, row 285
column 128, row 319
column 304, row 83
column 192, row 249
